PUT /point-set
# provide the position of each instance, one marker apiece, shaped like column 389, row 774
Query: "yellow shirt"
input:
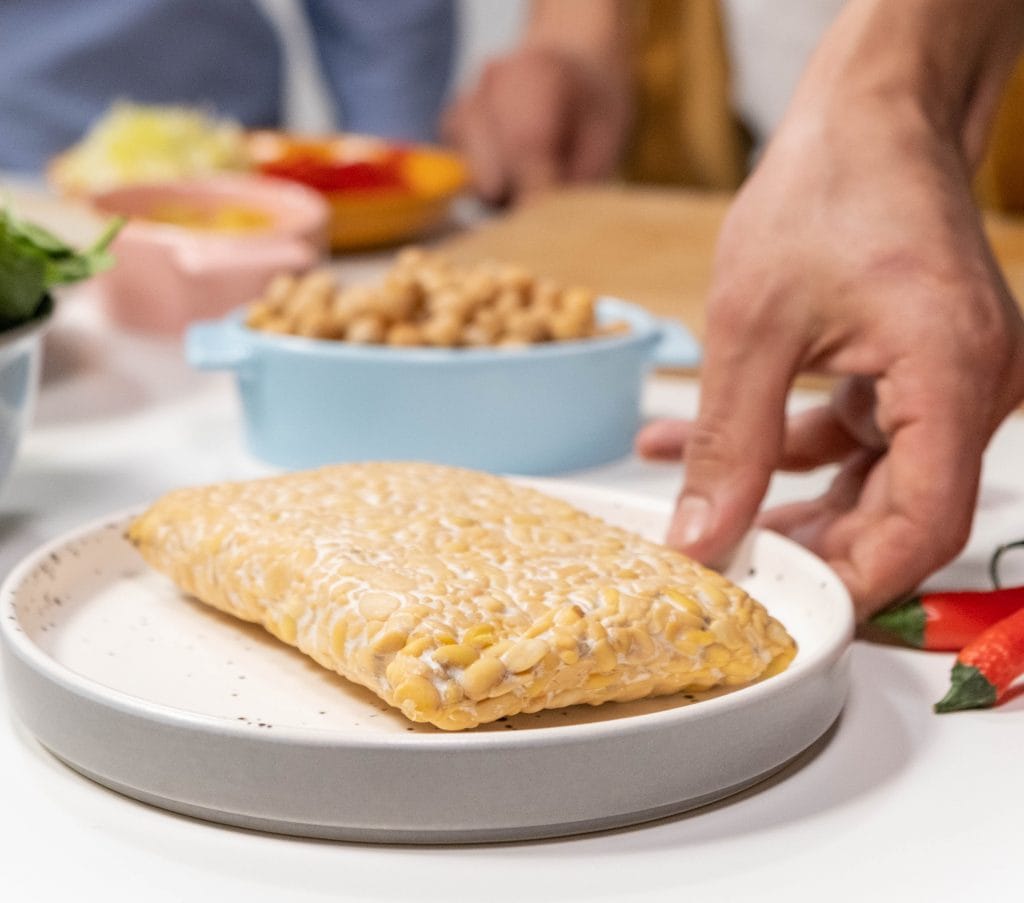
column 687, row 133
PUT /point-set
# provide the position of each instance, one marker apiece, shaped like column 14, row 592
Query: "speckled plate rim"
column 18, row 643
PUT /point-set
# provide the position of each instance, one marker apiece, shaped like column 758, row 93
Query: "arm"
column 592, row 29
column 556, row 108
column 855, row 249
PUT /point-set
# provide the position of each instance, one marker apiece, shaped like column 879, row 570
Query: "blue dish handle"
column 214, row 345
column 677, row 346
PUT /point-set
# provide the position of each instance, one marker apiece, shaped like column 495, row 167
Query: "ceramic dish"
column 364, row 217
column 168, row 275
column 534, row 410
column 172, row 703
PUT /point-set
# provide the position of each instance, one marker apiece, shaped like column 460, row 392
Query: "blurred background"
column 768, row 42
column 735, row 65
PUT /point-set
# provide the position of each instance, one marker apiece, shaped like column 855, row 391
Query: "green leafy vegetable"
column 33, row 261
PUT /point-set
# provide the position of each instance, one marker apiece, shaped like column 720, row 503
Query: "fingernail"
column 693, row 515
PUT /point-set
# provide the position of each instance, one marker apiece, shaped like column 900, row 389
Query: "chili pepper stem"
column 906, row 621
column 969, row 689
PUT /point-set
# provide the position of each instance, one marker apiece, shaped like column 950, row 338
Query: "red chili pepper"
column 986, row 667
column 324, row 174
column 948, row 621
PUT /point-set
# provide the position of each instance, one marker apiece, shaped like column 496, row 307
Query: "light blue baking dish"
column 534, row 410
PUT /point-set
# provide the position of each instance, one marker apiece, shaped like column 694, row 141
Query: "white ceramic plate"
column 163, row 699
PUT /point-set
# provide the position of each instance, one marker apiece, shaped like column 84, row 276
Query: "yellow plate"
column 368, row 218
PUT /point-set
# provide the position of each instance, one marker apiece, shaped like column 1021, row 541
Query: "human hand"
column 539, row 117
column 854, row 250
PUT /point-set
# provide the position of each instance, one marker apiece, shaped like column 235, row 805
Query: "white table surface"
column 896, row 803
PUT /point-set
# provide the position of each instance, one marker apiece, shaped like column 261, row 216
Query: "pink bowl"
column 168, row 275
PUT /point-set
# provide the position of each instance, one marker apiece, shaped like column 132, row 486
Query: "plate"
column 367, row 217
column 161, row 698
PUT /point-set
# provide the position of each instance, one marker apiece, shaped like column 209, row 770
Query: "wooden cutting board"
column 650, row 246
column 653, row 246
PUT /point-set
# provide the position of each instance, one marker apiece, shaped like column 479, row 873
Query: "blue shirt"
column 63, row 62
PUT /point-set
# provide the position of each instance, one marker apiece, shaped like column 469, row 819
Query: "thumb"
column 735, row 443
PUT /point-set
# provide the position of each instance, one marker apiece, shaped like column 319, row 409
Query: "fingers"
column 736, row 442
column 599, row 130
column 807, row 522
column 529, row 102
column 813, row 439
column 468, row 128
column 504, row 166
column 515, row 127
column 891, row 518
column 535, row 173
column 662, row 440
column 539, row 118
column 853, row 404
column 900, row 506
column 914, row 512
